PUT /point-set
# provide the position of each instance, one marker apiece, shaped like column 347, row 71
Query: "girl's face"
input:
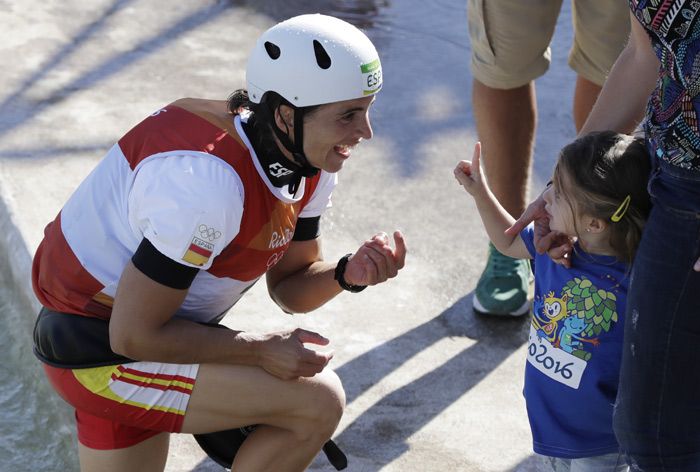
column 333, row 130
column 559, row 211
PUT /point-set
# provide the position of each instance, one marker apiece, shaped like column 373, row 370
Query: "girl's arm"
column 495, row 218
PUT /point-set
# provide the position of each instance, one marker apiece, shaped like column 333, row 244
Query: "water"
column 30, row 438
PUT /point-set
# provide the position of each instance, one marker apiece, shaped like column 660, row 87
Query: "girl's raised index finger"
column 476, row 158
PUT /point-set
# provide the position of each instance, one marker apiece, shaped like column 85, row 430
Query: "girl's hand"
column 469, row 173
column 557, row 245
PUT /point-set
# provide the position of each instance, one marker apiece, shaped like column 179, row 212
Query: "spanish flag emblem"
column 199, row 252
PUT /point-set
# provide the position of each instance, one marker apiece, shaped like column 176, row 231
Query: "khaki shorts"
column 510, row 38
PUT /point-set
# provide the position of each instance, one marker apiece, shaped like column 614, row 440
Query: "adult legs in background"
column 657, row 413
column 505, row 122
column 585, row 95
column 601, row 30
column 510, row 49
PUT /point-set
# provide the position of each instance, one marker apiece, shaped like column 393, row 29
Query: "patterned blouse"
column 671, row 126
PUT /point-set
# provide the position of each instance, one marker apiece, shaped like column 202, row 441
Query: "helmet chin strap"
column 299, row 165
column 296, row 148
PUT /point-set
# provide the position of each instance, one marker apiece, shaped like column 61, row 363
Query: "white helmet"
column 313, row 59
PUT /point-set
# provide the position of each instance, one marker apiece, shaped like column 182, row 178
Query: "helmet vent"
column 272, row 50
column 322, row 58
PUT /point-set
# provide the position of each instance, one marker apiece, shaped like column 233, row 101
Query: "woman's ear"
column 284, row 118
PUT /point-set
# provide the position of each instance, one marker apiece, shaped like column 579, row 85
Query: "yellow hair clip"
column 621, row 210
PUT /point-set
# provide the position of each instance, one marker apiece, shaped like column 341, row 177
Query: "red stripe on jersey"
column 152, row 375
column 60, row 281
column 143, row 383
column 199, row 250
column 175, row 129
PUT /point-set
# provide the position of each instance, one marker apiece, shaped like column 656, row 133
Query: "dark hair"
column 264, row 113
column 603, row 168
column 238, row 102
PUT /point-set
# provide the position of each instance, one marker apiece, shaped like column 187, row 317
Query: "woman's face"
column 333, row 130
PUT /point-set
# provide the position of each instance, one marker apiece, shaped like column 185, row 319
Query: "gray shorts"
column 614, row 462
column 510, row 38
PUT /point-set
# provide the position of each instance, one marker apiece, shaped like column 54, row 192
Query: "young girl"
column 598, row 198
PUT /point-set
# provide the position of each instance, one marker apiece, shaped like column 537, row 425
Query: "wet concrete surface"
column 430, row 386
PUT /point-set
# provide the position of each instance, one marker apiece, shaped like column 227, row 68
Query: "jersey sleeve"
column 189, row 207
column 321, row 199
column 528, row 237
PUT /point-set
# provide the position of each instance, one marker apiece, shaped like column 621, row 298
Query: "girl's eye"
column 555, row 191
column 347, row 118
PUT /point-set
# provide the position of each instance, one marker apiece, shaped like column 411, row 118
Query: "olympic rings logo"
column 209, row 233
column 274, row 259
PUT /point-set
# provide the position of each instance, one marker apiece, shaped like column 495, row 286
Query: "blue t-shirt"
column 574, row 352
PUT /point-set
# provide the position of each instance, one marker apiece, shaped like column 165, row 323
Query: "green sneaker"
column 503, row 286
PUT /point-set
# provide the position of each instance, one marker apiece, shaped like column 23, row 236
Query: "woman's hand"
column 557, row 245
column 375, row 261
column 284, row 355
column 468, row 174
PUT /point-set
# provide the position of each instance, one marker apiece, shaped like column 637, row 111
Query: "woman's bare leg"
column 296, row 416
column 585, row 96
column 147, row 456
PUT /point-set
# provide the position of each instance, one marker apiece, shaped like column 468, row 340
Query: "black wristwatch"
column 340, row 276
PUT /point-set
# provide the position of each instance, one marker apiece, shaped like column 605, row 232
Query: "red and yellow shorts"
column 121, row 405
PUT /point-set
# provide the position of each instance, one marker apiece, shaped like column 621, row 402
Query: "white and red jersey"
column 187, row 179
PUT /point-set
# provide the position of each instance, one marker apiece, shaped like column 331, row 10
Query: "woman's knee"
column 330, row 395
column 324, row 404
